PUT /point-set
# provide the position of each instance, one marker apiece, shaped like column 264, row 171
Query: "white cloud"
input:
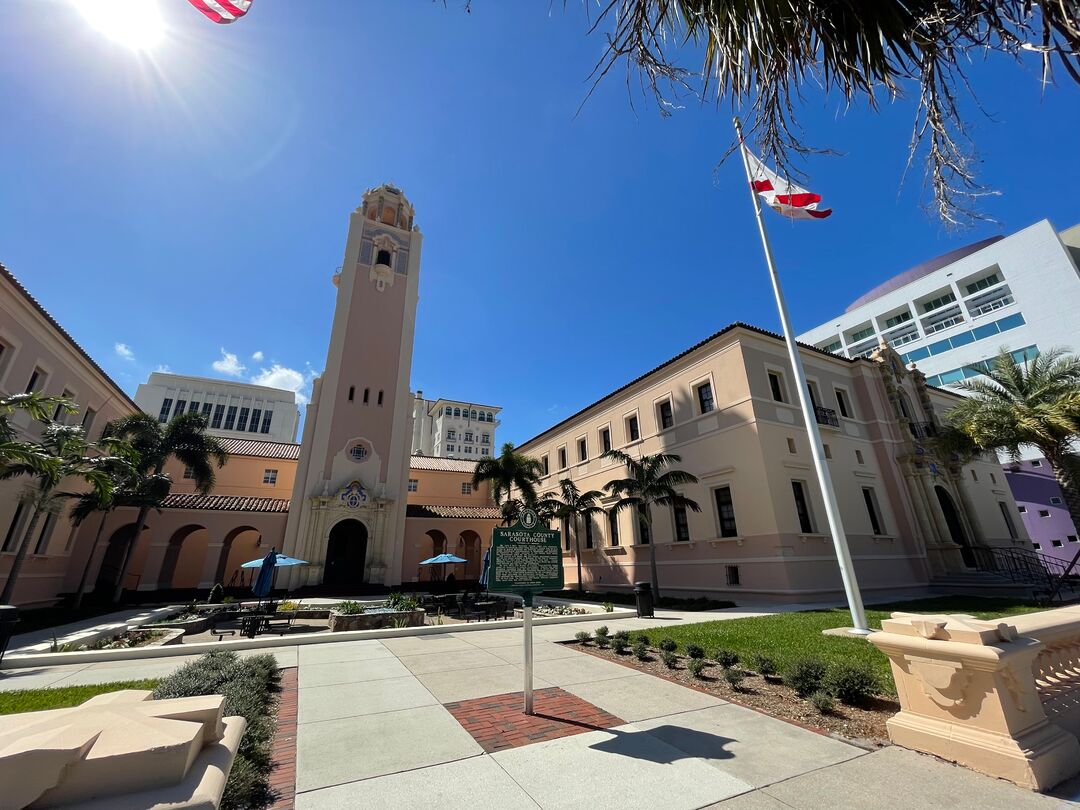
column 163, row 368
column 257, row 357
column 124, row 351
column 288, row 379
column 229, row 364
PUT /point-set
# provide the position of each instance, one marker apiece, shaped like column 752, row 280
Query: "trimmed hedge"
column 250, row 687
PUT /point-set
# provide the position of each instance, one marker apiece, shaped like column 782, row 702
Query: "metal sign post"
column 526, row 558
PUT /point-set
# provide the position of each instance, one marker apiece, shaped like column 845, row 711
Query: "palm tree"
column 1034, row 403
column 63, row 453
column 40, row 409
column 509, row 471
column 575, row 505
column 648, row 484
column 184, row 437
column 131, row 489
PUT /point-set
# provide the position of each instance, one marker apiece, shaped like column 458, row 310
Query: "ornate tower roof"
column 388, row 204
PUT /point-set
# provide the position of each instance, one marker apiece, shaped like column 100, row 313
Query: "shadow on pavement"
column 686, row 743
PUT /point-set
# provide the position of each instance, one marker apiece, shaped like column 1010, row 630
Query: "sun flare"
column 136, row 25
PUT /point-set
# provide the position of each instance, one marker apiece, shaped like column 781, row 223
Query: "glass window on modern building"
column 219, row 414
column 230, row 417
column 166, row 407
column 242, row 419
column 267, row 416
column 256, row 413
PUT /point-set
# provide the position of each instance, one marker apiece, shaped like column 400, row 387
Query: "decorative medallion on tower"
column 354, row 495
column 359, row 451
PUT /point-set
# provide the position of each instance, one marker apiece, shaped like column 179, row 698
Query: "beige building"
column 727, row 407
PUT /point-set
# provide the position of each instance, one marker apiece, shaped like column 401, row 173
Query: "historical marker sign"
column 526, row 558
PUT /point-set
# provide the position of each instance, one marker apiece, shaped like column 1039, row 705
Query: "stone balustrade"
column 1001, row 697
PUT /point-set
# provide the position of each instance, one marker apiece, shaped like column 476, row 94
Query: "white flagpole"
column 832, row 509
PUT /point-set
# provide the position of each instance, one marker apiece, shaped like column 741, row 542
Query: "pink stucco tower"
column 347, row 516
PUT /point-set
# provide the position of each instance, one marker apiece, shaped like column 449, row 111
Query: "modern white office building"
column 952, row 314
column 233, row 409
column 450, row 428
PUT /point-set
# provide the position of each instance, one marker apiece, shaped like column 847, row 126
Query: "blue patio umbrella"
column 443, row 560
column 265, row 581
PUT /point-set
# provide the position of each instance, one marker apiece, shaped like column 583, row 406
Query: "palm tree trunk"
column 20, row 556
column 140, row 523
column 1066, row 476
column 89, row 561
column 647, row 517
column 577, row 555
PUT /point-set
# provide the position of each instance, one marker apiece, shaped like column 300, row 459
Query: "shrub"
column 624, row 635
column 602, row 630
column 349, row 608
column 619, row 642
column 670, row 659
column 694, row 651
column 641, row 650
column 668, row 645
column 399, row 601
column 609, row 607
column 217, row 595
column 643, row 637
column 822, row 701
column 806, row 676
column 697, row 667
column 228, row 600
column 763, row 665
column 582, row 636
column 851, row 683
column 287, row 606
column 601, row 637
column 734, row 677
column 726, row 658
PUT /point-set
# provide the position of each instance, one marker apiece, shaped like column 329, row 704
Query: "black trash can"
column 643, row 595
column 9, row 617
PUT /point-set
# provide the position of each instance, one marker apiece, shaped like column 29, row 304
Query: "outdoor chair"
column 218, row 617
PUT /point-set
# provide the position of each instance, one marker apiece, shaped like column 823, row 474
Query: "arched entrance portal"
column 345, row 553
column 956, row 527
column 109, row 570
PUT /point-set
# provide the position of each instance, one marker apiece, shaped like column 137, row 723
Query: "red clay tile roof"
column 441, row 464
column 225, row 503
column 464, row 512
column 261, row 449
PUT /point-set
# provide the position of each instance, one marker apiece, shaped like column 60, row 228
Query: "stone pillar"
column 967, row 694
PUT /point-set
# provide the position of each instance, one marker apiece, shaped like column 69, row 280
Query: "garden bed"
column 129, row 639
column 376, row 619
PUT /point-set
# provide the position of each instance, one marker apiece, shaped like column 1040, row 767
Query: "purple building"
column 1041, row 505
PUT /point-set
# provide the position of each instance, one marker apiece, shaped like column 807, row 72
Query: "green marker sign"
column 526, row 558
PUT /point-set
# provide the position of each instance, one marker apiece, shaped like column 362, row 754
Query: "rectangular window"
column 166, row 407
column 59, row 414
column 451, row 434
column 269, row 476
column 414, row 485
column 776, row 385
column 1054, row 543
column 1055, row 501
column 682, row 523
column 1071, row 538
column 37, row 379
column 449, row 448
column 367, row 395
column 862, row 334
column 982, row 284
column 802, row 507
column 13, row 529
column 468, row 436
column 613, row 527
column 828, row 451
column 485, row 438
column 562, row 458
column 544, row 464
column 873, row 510
column 219, row 413
column 605, row 439
column 940, row 301
column 811, row 389
column 193, row 407
column 46, row 531
column 896, row 320
column 88, row 419
column 254, row 426
column 230, row 417
column 791, row 446
column 466, row 487
column 732, row 574
column 582, row 450
column 705, row 397
column 1044, row 513
column 206, row 408
column 725, row 512
column 1009, row 525
column 666, row 417
column 587, row 520
column 644, row 532
column 833, row 347
column 1022, row 510
column 974, row 476
column 632, row 429
column 267, row 416
column 859, row 457
column 241, row 422
column 379, row 402
column 842, row 404
column 189, row 473
column 181, row 407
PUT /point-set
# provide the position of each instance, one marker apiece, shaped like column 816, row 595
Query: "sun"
column 136, row 24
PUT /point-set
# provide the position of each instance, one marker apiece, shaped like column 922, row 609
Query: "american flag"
column 222, row 11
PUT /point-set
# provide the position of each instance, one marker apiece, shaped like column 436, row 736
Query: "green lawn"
column 34, row 700
column 785, row 637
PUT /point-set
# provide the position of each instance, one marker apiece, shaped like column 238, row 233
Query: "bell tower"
column 347, row 515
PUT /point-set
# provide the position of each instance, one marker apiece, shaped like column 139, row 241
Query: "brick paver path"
column 498, row 723
column 283, row 776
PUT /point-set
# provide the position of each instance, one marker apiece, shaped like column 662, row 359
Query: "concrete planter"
column 190, row 626
column 375, row 621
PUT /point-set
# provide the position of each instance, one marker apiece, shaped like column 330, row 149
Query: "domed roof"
column 920, row 270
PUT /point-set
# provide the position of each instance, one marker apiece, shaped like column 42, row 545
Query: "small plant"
column 601, row 636
column 643, row 637
column 822, row 701
column 694, row 651
column 668, row 645
column 609, row 607
column 670, row 659
column 641, row 649
column 806, row 676
column 763, row 666
column 853, row 684
column 349, row 608
column 620, row 641
column 399, row 601
column 288, row 606
column 726, row 658
column 228, row 600
column 734, row 677
column 582, row 637
column 217, row 595
column 696, row 666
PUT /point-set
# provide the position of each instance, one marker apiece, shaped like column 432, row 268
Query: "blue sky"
column 171, row 205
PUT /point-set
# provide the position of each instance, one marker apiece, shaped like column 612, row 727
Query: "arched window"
column 457, row 411
column 449, row 411
column 490, row 416
column 473, row 414
column 383, row 257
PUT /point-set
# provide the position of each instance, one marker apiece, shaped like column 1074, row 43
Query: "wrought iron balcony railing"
column 826, row 416
column 923, row 430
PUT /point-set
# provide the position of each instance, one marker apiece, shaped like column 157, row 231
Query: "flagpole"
column 832, row 509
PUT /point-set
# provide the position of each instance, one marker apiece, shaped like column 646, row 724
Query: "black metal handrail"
column 825, row 416
column 1026, row 566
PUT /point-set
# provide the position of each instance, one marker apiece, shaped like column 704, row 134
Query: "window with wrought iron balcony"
column 826, row 416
